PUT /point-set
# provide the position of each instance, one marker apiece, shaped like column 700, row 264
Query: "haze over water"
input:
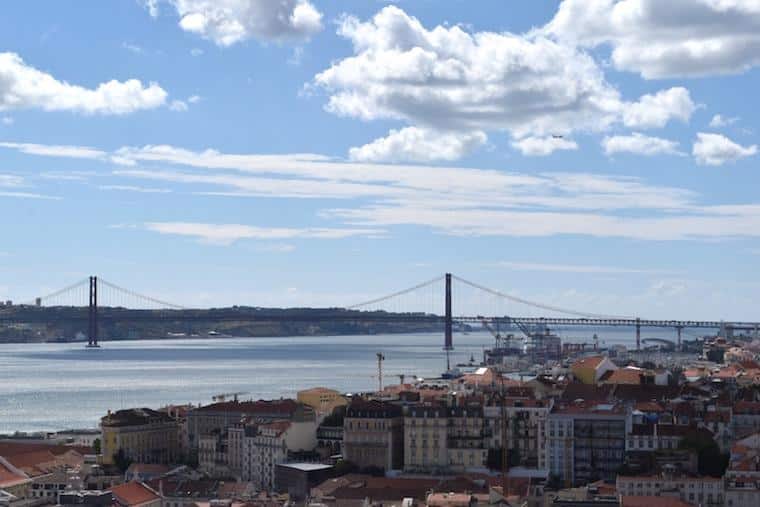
column 57, row 386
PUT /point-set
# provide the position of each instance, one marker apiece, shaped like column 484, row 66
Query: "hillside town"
column 594, row 429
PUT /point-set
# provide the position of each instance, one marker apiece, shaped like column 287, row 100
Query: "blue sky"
column 597, row 155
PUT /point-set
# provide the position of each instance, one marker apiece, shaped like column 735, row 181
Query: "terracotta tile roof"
column 9, row 477
column 133, row 493
column 8, row 448
column 587, row 362
column 30, row 461
column 623, row 376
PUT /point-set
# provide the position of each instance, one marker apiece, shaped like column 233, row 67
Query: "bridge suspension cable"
column 534, row 304
column 61, row 292
column 382, row 299
column 138, row 296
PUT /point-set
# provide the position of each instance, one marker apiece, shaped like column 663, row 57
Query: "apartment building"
column 373, row 435
column 220, row 416
column 523, row 423
column 742, row 479
column 142, row 434
column 268, row 445
column 585, row 441
column 696, row 490
column 439, row 438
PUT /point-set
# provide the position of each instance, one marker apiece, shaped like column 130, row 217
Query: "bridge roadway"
column 33, row 315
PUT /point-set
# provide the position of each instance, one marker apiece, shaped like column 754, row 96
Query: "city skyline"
column 334, row 151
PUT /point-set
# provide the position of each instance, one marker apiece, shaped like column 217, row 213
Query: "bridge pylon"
column 92, row 334
column 448, row 344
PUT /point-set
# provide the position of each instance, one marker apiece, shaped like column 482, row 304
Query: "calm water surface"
column 58, row 386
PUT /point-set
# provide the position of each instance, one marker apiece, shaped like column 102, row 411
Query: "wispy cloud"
column 226, row 234
column 29, row 195
column 133, row 188
column 133, row 48
column 10, row 185
column 276, row 247
column 451, row 200
column 575, row 268
column 80, row 176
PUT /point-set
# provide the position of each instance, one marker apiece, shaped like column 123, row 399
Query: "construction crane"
column 221, row 398
column 380, row 359
column 495, row 332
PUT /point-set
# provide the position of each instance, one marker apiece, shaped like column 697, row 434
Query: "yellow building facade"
column 142, row 434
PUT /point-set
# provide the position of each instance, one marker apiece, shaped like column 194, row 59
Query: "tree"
column 96, row 446
column 709, row 458
column 121, row 461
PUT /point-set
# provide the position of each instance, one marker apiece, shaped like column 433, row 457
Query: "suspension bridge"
column 447, row 300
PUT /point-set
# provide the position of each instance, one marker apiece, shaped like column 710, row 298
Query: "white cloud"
column 226, row 234
column 14, row 182
column 719, row 121
column 542, row 146
column 194, row 99
column 11, row 180
column 662, row 39
column 134, row 48
column 29, row 195
column 277, row 247
column 446, row 79
column 6, row 120
column 419, row 145
column 657, row 110
column 67, row 175
column 51, row 150
column 67, row 151
column 196, row 52
column 668, row 287
column 640, row 144
column 151, row 6
column 134, row 188
column 716, row 149
column 703, row 223
column 296, row 57
column 24, row 87
column 454, row 200
column 227, row 22
column 573, row 268
column 179, row 106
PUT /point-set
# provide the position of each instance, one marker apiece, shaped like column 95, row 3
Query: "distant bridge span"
column 56, row 311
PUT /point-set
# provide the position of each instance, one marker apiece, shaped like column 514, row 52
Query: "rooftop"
column 588, row 362
column 133, row 493
column 135, row 417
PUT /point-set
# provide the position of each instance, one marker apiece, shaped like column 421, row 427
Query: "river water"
column 55, row 386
